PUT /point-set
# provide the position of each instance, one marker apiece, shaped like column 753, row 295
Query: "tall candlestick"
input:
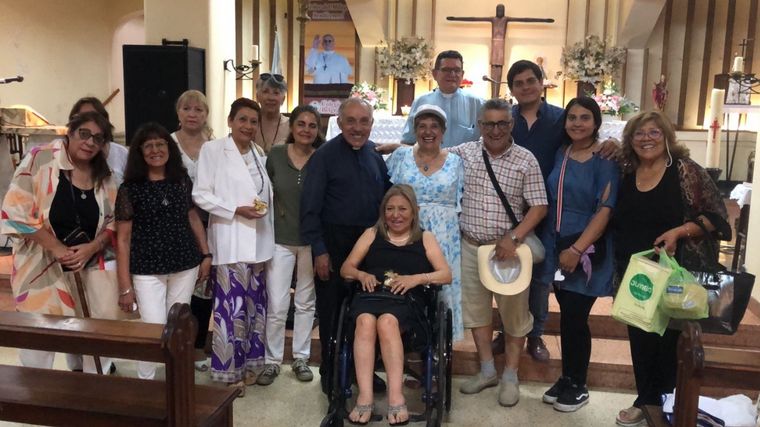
column 738, row 64
column 715, row 123
column 255, row 53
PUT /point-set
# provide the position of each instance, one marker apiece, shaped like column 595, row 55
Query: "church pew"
column 700, row 365
column 52, row 397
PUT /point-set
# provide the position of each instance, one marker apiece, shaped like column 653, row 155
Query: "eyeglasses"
column 651, row 134
column 85, row 134
column 502, row 124
column 157, row 145
column 451, row 70
column 269, row 76
column 328, row 40
column 520, row 83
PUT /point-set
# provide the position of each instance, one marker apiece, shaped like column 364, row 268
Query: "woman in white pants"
column 285, row 167
column 162, row 248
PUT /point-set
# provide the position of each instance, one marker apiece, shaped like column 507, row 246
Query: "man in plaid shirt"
column 484, row 221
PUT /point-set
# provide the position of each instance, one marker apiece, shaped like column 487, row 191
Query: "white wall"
column 129, row 30
column 63, row 50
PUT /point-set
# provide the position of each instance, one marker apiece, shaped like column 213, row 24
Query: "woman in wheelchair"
column 392, row 263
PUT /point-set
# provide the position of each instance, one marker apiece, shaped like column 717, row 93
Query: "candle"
column 738, row 64
column 255, row 53
column 714, row 124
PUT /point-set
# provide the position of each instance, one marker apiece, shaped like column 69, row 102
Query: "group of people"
column 224, row 223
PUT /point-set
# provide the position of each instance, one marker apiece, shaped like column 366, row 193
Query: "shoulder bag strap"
column 497, row 187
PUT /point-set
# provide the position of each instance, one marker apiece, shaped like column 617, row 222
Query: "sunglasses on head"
column 269, row 76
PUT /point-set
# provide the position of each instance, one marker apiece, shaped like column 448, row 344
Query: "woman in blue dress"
column 437, row 178
column 582, row 193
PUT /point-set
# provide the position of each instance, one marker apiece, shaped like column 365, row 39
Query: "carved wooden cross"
column 498, row 34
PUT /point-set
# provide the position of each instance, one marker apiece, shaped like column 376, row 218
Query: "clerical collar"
column 328, row 52
column 447, row 95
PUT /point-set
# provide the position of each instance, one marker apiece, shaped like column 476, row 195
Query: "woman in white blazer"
column 233, row 187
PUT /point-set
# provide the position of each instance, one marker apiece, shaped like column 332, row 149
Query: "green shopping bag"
column 684, row 296
column 638, row 299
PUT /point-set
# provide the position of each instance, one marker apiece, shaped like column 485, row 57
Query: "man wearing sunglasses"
column 327, row 66
column 461, row 107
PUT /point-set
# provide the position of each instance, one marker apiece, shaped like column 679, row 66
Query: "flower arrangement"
column 591, row 60
column 612, row 103
column 466, row 83
column 370, row 93
column 409, row 58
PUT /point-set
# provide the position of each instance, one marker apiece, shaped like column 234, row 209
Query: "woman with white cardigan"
column 233, row 187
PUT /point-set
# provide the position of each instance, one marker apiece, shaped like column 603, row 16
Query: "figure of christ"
column 498, row 35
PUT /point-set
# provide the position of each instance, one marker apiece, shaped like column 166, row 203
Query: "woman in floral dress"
column 438, row 181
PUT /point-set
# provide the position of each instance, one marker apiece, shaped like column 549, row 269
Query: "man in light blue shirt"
column 461, row 107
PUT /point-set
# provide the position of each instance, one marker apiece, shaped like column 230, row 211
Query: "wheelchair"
column 431, row 338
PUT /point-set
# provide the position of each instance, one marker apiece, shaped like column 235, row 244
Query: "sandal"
column 630, row 417
column 360, row 411
column 395, row 411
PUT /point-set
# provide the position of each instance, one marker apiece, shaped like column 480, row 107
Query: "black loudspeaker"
column 154, row 77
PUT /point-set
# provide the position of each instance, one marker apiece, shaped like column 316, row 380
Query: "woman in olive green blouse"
column 285, row 165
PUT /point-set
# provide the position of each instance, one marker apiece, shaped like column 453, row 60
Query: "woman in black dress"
column 162, row 248
column 662, row 196
column 396, row 257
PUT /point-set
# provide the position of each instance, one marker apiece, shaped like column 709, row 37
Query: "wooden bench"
column 53, row 397
column 700, row 365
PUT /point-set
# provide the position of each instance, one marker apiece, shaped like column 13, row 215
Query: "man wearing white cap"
column 483, row 221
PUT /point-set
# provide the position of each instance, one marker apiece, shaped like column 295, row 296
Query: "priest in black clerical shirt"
column 344, row 185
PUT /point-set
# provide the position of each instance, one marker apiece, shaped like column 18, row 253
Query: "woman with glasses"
column 582, row 190
column 59, row 209
column 285, row 165
column 233, row 187
column 116, row 154
column 193, row 132
column 161, row 241
column 273, row 126
column 438, row 181
column 663, row 196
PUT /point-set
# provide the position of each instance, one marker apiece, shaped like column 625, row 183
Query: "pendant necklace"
column 164, row 200
column 276, row 131
column 83, row 196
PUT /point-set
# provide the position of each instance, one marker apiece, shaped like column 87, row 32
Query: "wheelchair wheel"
column 448, row 357
column 337, row 398
column 442, row 367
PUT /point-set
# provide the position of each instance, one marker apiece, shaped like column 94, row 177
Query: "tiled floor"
column 288, row 402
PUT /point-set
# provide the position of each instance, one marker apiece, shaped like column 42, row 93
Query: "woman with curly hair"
column 663, row 198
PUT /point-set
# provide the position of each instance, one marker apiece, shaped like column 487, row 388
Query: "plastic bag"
column 684, row 296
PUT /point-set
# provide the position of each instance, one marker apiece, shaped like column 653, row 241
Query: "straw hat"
column 508, row 277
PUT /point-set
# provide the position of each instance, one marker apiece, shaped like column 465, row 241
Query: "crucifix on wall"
column 498, row 35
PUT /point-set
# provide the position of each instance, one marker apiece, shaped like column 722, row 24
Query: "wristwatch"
column 514, row 238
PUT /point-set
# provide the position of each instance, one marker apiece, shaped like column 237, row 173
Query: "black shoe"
column 378, row 385
column 537, row 349
column 556, row 390
column 112, row 369
column 572, row 398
